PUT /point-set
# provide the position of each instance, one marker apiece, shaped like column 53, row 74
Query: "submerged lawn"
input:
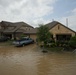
column 7, row 43
column 56, row 49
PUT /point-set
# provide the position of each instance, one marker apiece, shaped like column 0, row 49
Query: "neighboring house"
column 13, row 30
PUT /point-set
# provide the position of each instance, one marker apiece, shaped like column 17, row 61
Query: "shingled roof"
column 16, row 26
column 51, row 24
column 32, row 31
column 54, row 23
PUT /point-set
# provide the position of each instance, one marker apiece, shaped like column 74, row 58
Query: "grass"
column 55, row 49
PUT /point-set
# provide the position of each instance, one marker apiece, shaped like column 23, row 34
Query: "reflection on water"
column 29, row 60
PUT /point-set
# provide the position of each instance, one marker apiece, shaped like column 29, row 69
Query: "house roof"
column 5, row 23
column 49, row 25
column 16, row 26
column 32, row 31
column 54, row 23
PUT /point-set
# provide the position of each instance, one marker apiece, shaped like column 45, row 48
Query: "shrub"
column 72, row 42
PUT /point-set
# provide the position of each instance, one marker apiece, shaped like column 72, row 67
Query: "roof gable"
column 54, row 23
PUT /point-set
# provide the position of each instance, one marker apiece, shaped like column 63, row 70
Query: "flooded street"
column 29, row 60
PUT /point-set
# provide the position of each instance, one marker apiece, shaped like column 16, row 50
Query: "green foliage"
column 43, row 34
column 55, row 49
column 72, row 41
column 53, row 45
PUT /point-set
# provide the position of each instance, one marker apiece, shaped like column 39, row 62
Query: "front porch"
column 63, row 37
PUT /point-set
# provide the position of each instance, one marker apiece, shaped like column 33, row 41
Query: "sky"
column 35, row 12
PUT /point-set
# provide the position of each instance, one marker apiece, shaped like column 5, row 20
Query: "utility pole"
column 67, row 22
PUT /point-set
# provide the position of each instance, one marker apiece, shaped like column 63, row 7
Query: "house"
column 60, row 31
column 13, row 30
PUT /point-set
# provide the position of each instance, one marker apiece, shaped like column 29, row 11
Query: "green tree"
column 72, row 41
column 43, row 34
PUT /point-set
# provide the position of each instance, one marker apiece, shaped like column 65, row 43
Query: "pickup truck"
column 23, row 42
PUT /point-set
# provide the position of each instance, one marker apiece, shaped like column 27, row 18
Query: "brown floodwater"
column 29, row 60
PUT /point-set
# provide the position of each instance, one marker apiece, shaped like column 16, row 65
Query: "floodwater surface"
column 29, row 60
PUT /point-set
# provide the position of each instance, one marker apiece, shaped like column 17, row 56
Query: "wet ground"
column 29, row 60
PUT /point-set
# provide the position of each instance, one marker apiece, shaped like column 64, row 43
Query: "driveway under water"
column 29, row 60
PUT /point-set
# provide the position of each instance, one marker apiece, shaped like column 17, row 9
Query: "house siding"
column 0, row 26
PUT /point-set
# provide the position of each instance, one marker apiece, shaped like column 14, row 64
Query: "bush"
column 72, row 42
column 53, row 45
column 62, row 43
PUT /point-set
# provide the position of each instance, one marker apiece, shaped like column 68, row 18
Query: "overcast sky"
column 36, row 12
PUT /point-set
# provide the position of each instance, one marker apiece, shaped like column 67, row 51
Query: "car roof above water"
column 24, row 38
